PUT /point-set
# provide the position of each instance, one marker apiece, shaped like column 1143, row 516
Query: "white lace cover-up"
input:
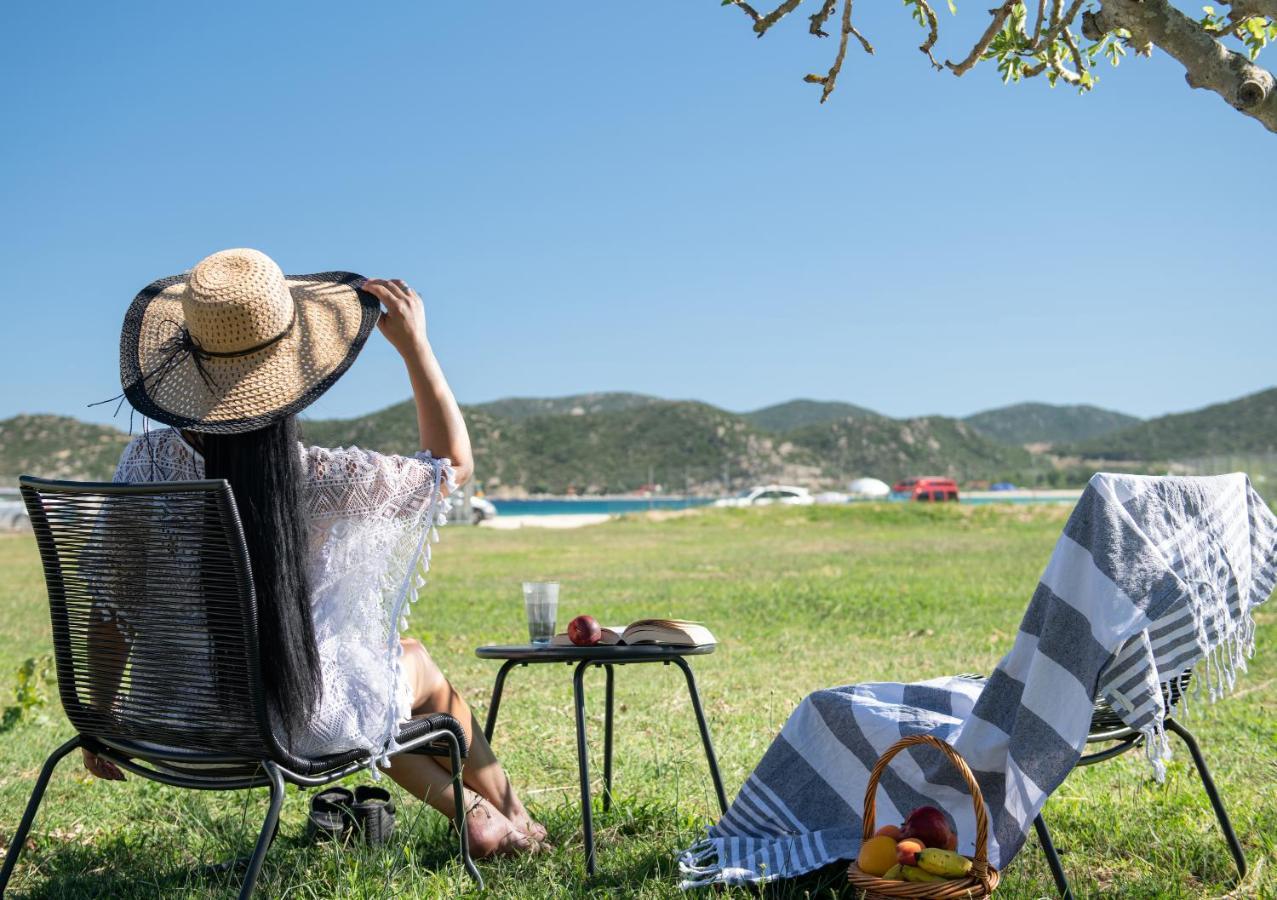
column 370, row 517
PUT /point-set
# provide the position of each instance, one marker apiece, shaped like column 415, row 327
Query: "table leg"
column 705, row 739
column 583, row 763
column 499, row 686
column 607, row 745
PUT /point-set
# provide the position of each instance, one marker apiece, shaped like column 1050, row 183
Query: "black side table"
column 607, row 657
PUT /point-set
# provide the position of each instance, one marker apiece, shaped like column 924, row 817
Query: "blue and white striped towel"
column 1151, row 577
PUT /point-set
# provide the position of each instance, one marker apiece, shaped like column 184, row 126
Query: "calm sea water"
column 588, row 506
column 560, row 507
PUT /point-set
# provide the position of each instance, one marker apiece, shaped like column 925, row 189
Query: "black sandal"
column 330, row 816
column 373, row 813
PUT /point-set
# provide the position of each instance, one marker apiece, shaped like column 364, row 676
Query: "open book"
column 674, row 632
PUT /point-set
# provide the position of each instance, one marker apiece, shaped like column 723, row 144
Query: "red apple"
column 929, row 825
column 584, row 631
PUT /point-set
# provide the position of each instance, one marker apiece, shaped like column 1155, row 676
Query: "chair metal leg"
column 705, row 739
column 583, row 763
column 269, row 828
column 497, row 688
column 1052, row 858
column 607, row 745
column 19, row 838
column 459, row 796
column 1226, row 826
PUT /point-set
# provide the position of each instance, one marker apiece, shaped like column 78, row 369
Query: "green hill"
column 676, row 443
column 1044, row 423
column 58, row 447
column 516, row 409
column 892, row 448
column 800, row 413
column 594, row 443
column 689, row 446
column 1245, row 425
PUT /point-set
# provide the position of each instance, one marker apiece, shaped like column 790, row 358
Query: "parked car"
column 1003, row 486
column 926, row 489
column 481, row 509
column 768, row 494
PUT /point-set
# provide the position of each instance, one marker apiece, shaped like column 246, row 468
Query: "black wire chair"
column 156, row 645
column 1108, row 728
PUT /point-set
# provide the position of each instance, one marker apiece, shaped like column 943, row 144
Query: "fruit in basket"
column 891, row 831
column 928, row 824
column 907, row 851
column 922, row 876
column 943, row 862
column 953, row 842
column 584, row 631
column 877, row 855
column 895, row 873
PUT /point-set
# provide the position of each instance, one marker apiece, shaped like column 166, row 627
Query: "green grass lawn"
column 800, row 599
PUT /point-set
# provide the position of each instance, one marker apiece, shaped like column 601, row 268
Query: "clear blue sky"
column 605, row 196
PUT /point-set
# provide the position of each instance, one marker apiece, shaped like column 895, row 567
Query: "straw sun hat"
column 234, row 344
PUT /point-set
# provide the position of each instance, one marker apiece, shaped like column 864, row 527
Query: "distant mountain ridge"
column 1245, row 425
column 616, row 442
column 58, row 447
column 516, row 409
column 687, row 446
column 799, row 413
column 1044, row 423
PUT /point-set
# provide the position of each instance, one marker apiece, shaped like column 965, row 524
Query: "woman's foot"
column 491, row 834
column 523, row 821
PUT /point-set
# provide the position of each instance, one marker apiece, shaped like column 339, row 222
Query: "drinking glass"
column 541, row 601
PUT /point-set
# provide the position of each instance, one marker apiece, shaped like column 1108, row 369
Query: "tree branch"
column 830, row 79
column 1207, row 63
column 775, row 16
column 1062, row 24
column 1078, row 65
column 1245, row 9
column 747, row 9
column 821, row 17
column 995, row 25
column 933, row 32
column 1037, row 23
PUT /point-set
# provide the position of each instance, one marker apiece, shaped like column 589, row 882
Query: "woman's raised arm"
column 439, row 421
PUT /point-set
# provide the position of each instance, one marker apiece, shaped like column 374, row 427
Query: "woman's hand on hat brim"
column 403, row 322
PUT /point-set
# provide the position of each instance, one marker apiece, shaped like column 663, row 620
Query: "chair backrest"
column 154, row 614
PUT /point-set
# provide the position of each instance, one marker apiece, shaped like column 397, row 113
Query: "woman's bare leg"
column 490, row 832
column 483, row 774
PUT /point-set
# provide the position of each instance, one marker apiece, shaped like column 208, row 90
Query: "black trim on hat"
column 134, row 381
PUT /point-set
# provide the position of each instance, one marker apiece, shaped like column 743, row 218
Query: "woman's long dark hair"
column 265, row 473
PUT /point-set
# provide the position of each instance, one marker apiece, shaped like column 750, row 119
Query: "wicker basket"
column 983, row 878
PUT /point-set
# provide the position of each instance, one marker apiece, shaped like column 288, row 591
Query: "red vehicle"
column 927, row 488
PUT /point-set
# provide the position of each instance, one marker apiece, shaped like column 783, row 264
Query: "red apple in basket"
column 928, row 824
column 584, row 631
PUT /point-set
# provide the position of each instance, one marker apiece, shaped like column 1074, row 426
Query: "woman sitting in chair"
column 228, row 355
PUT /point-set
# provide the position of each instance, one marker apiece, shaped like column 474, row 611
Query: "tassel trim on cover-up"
column 414, row 579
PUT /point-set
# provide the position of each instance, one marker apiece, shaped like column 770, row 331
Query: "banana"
column 894, row 873
column 943, row 862
column 913, row 873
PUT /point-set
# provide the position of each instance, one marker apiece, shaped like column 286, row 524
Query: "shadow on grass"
column 120, row 866
column 116, row 867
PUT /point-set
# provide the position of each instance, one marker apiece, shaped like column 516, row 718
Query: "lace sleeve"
column 156, row 456
column 350, row 482
column 132, row 467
